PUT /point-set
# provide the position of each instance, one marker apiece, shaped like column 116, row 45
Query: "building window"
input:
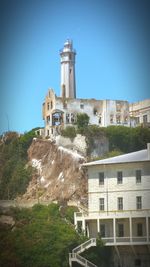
column 120, row 203
column 56, row 119
column 118, row 107
column 48, row 106
column 47, row 132
column 101, row 178
column 119, row 177
column 67, row 118
column 48, row 119
column 95, row 111
column 82, row 106
column 111, row 118
column 139, row 203
column 139, row 229
column 101, row 203
column 138, row 176
column 120, row 230
column 100, row 120
column 102, row 230
column 79, row 226
column 72, row 118
column 51, row 104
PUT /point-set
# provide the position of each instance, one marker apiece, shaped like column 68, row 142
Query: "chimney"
column 148, row 150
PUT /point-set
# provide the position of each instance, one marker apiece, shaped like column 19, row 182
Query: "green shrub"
column 14, row 174
column 69, row 213
column 69, row 132
column 82, row 122
column 127, row 139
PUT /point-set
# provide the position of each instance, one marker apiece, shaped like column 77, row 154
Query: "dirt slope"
column 58, row 175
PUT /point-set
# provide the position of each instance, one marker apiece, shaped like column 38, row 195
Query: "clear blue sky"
column 112, row 40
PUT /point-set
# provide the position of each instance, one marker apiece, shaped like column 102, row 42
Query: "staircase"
column 74, row 256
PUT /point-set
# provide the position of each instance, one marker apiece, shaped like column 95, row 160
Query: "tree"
column 82, row 122
column 41, row 238
column 25, row 141
column 14, row 174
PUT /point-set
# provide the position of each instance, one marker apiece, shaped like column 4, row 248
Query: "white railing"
column 112, row 214
column 74, row 256
column 139, row 239
column 108, row 239
column 125, row 239
column 85, row 245
column 84, row 262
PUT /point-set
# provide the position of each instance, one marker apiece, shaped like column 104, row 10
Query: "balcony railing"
column 112, row 214
column 125, row 239
column 140, row 239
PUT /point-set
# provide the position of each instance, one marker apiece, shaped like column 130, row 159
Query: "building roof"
column 137, row 156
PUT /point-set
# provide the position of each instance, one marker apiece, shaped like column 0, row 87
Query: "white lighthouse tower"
column 67, row 57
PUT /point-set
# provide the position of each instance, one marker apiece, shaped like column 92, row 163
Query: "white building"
column 140, row 113
column 61, row 111
column 119, row 206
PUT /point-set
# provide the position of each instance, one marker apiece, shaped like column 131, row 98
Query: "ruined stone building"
column 61, row 111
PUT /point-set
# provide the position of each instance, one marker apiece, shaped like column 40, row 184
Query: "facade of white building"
column 119, row 206
column 61, row 111
column 140, row 113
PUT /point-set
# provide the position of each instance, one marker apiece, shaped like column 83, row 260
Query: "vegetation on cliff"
column 69, row 131
column 15, row 174
column 43, row 237
column 122, row 139
column 127, row 139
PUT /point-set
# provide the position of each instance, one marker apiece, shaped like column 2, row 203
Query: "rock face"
column 77, row 144
column 58, row 174
column 100, row 147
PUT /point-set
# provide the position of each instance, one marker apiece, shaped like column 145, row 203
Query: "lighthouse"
column 67, row 60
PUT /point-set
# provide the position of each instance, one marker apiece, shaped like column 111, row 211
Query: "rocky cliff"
column 58, row 173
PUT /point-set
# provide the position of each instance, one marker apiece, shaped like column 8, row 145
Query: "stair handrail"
column 83, row 246
column 81, row 260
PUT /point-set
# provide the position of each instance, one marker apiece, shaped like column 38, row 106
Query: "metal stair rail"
column 84, row 262
column 87, row 244
column 74, row 256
